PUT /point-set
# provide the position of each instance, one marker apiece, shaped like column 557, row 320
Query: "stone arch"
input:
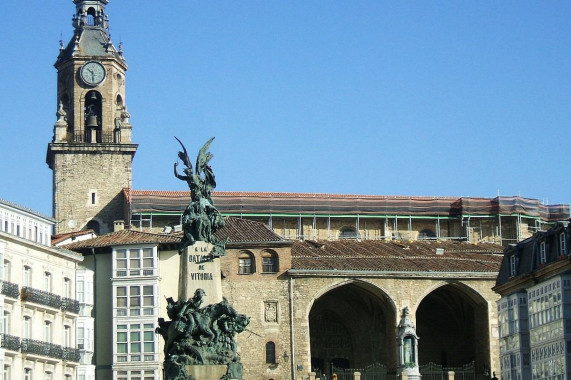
column 93, row 112
column 352, row 322
column 94, row 225
column 452, row 321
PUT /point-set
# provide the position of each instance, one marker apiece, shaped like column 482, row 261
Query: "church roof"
column 393, row 256
column 274, row 203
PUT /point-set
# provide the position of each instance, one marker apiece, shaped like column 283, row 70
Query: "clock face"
column 92, row 73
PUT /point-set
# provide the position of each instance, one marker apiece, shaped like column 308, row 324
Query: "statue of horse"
column 197, row 325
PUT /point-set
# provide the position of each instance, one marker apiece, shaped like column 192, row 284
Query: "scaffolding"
column 299, row 216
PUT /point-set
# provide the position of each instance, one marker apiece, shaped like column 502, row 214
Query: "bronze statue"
column 200, row 336
column 197, row 335
column 201, row 219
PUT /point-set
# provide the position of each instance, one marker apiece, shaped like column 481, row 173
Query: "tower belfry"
column 91, row 151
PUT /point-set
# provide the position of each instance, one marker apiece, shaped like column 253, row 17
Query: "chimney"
column 118, row 225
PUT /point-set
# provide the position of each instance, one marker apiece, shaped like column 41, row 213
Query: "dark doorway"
column 352, row 326
column 452, row 323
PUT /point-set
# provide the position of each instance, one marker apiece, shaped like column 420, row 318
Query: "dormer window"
column 542, row 253
column 512, row 265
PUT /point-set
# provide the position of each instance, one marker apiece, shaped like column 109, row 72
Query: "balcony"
column 10, row 342
column 69, row 304
column 36, row 347
column 41, row 297
column 71, row 354
column 10, row 290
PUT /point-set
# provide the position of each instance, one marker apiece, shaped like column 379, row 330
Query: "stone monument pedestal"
column 199, row 270
column 206, row 372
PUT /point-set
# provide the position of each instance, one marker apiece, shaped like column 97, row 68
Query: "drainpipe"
column 292, row 337
column 93, row 313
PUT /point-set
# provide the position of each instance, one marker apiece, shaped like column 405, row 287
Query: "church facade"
column 324, row 278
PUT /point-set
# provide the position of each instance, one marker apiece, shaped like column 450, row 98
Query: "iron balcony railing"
column 31, row 346
column 71, row 354
column 69, row 304
column 10, row 289
column 41, row 297
column 10, row 342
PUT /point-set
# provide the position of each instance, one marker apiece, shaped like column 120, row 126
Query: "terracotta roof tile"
column 378, row 255
column 236, row 230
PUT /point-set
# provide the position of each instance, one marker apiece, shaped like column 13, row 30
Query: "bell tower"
column 91, row 151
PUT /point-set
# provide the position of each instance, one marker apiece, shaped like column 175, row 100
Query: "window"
column 348, row 233
column 47, row 281
column 269, row 262
column 131, row 300
column 48, row 376
column 27, row 280
column 562, row 248
column 6, row 270
column 270, row 352
column 7, row 371
column 67, row 287
column 27, row 374
column 512, row 265
column 67, row 336
column 135, row 262
column 47, row 331
column 542, row 253
column 80, row 291
column 93, row 198
column 27, row 327
column 136, row 375
column 245, row 263
column 6, row 323
column 135, row 342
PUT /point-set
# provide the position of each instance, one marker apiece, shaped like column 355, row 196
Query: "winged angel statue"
column 201, row 219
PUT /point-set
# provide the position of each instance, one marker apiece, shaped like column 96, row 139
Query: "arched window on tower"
column 93, row 117
column 91, row 17
column 270, row 353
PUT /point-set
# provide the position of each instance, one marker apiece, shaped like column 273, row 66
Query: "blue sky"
column 431, row 98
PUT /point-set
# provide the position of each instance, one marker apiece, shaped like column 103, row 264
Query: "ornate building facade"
column 45, row 302
column 534, row 310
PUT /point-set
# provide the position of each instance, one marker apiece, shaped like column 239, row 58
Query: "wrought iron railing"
column 10, row 342
column 80, row 136
column 71, row 354
column 10, row 289
column 433, row 371
column 41, row 297
column 69, row 304
column 31, row 346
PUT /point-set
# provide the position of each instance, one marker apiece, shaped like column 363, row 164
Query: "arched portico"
column 453, row 326
column 352, row 326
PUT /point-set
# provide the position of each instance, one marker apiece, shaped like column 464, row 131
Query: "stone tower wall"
column 88, row 183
